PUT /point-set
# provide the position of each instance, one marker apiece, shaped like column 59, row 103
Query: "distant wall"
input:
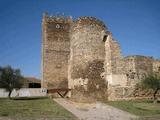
column 24, row 92
column 133, row 70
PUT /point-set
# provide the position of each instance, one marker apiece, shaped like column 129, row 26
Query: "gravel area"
column 95, row 111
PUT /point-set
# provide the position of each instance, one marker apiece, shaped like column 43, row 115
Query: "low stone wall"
column 24, row 92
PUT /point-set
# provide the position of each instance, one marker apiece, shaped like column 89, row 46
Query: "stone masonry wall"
column 156, row 66
column 113, row 63
column 136, row 67
column 56, row 50
column 87, row 56
column 84, row 56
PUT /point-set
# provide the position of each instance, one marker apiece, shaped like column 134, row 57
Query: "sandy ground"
column 94, row 111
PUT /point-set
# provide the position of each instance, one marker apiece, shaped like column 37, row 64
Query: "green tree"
column 152, row 81
column 10, row 79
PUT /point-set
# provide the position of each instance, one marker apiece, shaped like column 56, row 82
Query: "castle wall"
column 82, row 55
column 144, row 64
column 156, row 66
column 56, row 50
column 137, row 67
column 87, row 53
column 113, row 63
column 114, row 68
column 134, row 70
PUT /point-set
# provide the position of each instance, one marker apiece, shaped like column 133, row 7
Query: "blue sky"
column 135, row 24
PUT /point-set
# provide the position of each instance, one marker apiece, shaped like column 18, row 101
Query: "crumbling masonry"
column 83, row 55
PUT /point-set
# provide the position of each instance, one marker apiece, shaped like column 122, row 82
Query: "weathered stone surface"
column 55, row 51
column 84, row 56
column 156, row 66
column 87, row 55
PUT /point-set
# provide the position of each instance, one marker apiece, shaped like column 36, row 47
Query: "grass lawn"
column 140, row 108
column 33, row 107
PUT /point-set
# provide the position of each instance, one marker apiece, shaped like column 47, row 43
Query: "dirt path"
column 96, row 111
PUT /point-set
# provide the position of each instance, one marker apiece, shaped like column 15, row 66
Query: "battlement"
column 57, row 18
column 138, row 56
column 88, row 21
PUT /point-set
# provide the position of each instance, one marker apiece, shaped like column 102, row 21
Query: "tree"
column 152, row 81
column 10, row 79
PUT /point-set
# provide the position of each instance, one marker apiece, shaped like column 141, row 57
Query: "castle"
column 84, row 56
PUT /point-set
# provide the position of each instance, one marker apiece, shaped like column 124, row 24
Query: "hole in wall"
column 58, row 66
column 104, row 38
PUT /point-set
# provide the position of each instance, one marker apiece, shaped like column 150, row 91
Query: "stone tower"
column 87, row 57
column 55, row 51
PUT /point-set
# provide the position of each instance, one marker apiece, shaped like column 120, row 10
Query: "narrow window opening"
column 104, row 38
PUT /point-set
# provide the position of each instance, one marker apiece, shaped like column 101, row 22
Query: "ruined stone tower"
column 83, row 55
column 56, row 50
column 87, row 55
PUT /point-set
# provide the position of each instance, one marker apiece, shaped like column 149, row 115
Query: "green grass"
column 32, row 107
column 140, row 108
